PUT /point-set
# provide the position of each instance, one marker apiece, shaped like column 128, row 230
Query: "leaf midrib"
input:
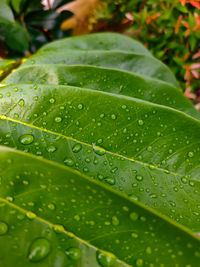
column 51, row 225
column 3, row 117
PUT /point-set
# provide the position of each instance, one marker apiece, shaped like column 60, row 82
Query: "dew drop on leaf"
column 139, row 178
column 105, row 259
column 140, row 122
column 51, row 206
column 39, row 249
column 21, row 102
column 73, row 253
column 99, row 151
column 3, row 228
column 190, row 154
column 80, row 106
column 76, row 148
column 58, row 119
column 109, row 180
column 115, row 221
column 52, row 100
column 26, row 139
column 51, row 149
column 69, row 162
column 139, row 262
column 133, row 216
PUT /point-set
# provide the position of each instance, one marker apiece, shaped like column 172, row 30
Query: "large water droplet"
column 190, row 154
column 39, row 249
column 105, row 259
column 58, row 119
column 3, row 228
column 76, row 148
column 73, row 253
column 69, row 162
column 109, row 180
column 51, row 149
column 21, row 102
column 99, row 151
column 26, row 139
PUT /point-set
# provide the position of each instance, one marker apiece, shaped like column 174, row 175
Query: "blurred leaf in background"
column 169, row 28
column 26, row 25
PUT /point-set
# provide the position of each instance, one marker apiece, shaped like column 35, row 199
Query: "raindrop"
column 3, row 228
column 190, row 154
column 21, row 102
column 58, row 119
column 73, row 253
column 140, row 122
column 99, row 151
column 69, row 162
column 76, row 148
column 52, row 100
column 51, row 149
column 39, row 250
column 110, row 180
column 80, row 106
column 105, row 259
column 26, row 139
column 133, row 216
column 115, row 221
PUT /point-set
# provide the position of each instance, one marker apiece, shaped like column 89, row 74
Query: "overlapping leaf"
column 47, row 226
column 134, row 133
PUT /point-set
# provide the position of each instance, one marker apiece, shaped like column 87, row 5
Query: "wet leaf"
column 72, row 229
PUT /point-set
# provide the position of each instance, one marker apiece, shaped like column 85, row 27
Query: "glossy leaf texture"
column 104, row 228
column 142, row 148
column 98, row 41
column 118, row 159
column 127, row 61
column 103, row 79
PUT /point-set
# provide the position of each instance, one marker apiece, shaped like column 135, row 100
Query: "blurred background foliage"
column 169, row 28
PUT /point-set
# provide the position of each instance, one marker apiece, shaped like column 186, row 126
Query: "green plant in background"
column 169, row 28
column 25, row 25
column 99, row 164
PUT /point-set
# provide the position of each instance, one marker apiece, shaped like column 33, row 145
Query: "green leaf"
column 137, row 63
column 5, row 66
column 109, row 80
column 98, row 41
column 14, row 35
column 91, row 225
column 6, row 12
column 137, row 147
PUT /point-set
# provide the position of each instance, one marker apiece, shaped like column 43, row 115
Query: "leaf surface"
column 72, row 229
column 153, row 166
column 109, row 80
column 140, row 64
column 98, row 41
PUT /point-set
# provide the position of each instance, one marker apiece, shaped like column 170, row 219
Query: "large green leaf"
column 98, row 41
column 137, row 63
column 145, row 154
column 42, row 224
column 109, row 80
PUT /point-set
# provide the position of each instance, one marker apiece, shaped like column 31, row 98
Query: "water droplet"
column 115, row 221
column 3, row 228
column 109, row 180
column 113, row 117
column 99, row 151
column 139, row 262
column 190, row 154
column 30, row 215
column 51, row 206
column 105, row 259
column 69, row 162
column 58, row 119
column 73, row 253
column 21, row 102
column 148, row 250
column 149, row 148
column 139, row 178
column 134, row 235
column 133, row 216
column 51, row 149
column 52, row 100
column 184, row 180
column 39, row 250
column 76, row 148
column 132, row 196
column 140, row 122
column 26, row 139
column 80, row 106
